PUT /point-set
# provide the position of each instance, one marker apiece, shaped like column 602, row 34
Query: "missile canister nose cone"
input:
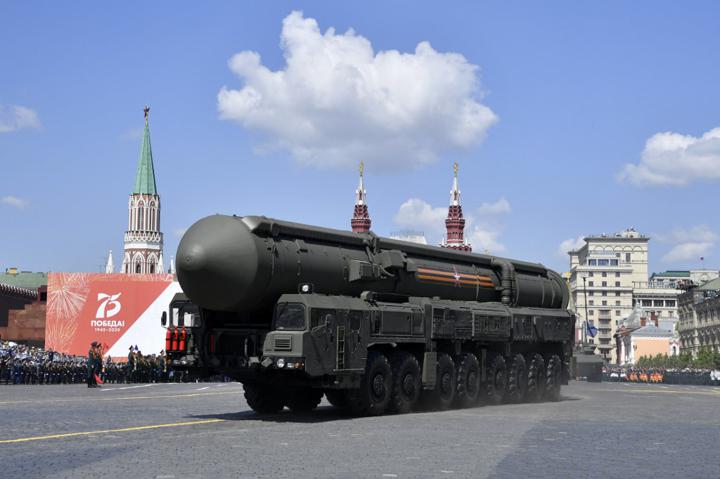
column 218, row 263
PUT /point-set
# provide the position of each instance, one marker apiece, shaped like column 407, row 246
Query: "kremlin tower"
column 360, row 220
column 455, row 223
column 143, row 239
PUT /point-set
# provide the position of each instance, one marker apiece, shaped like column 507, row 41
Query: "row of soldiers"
column 690, row 376
column 21, row 364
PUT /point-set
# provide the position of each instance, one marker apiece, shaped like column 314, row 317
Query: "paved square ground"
column 207, row 430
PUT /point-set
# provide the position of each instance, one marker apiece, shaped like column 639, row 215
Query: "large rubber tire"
column 536, row 379
column 517, row 380
column 373, row 396
column 553, row 378
column 337, row 397
column 468, row 371
column 443, row 396
column 496, row 380
column 407, row 383
column 264, row 399
column 304, row 400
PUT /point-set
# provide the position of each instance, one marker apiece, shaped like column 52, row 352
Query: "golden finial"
column 146, row 110
column 362, row 168
column 455, row 168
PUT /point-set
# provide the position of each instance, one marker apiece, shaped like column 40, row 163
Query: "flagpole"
column 585, row 325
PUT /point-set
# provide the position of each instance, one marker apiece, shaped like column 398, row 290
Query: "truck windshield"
column 290, row 316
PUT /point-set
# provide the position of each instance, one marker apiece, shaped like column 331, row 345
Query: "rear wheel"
column 517, row 379
column 373, row 396
column 553, row 378
column 468, row 368
column 304, row 400
column 496, row 380
column 536, row 378
column 264, row 399
column 406, row 382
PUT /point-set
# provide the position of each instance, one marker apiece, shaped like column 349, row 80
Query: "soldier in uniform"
column 91, row 365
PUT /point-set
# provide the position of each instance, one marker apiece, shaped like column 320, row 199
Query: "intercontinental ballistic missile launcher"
column 296, row 311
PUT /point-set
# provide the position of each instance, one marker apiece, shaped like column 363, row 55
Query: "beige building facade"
column 699, row 312
column 602, row 275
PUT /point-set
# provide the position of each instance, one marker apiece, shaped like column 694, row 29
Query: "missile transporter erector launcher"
column 296, row 311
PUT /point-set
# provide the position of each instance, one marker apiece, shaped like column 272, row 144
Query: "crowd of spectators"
column 695, row 376
column 22, row 364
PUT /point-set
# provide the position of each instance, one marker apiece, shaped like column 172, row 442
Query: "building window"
column 137, row 268
column 591, row 283
column 613, row 262
column 646, row 302
column 617, row 284
column 591, row 302
column 603, row 262
column 617, row 312
column 591, row 274
column 592, row 262
column 658, row 302
column 617, row 274
column 617, row 303
column 591, row 312
column 617, row 293
column 670, row 303
column 604, row 293
column 627, row 257
column 604, row 303
column 152, row 269
column 591, row 293
column 604, row 274
column 604, row 283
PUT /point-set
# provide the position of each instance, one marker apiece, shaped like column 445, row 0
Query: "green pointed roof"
column 145, row 179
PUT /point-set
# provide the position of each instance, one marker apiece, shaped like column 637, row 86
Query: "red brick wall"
column 26, row 325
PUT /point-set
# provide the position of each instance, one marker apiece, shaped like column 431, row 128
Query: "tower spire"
column 109, row 267
column 143, row 239
column 360, row 220
column 455, row 223
column 145, row 177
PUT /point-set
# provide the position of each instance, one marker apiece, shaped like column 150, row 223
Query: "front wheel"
column 373, row 396
column 263, row 399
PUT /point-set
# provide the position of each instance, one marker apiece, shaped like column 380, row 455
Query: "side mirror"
column 163, row 319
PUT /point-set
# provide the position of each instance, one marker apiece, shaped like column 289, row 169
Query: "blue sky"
column 543, row 104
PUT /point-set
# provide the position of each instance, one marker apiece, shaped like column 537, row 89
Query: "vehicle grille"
column 283, row 343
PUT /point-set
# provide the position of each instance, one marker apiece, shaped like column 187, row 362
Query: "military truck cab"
column 184, row 333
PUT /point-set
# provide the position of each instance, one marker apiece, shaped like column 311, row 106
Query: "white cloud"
column 571, row 244
column 675, row 159
column 417, row 214
column 14, row 201
column 16, row 118
column 689, row 244
column 688, row 252
column 485, row 239
column 338, row 101
column 499, row 207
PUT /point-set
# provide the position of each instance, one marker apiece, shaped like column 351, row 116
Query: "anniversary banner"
column 117, row 310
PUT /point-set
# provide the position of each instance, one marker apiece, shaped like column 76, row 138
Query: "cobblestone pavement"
column 207, row 430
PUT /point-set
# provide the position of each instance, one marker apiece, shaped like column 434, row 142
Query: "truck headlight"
column 280, row 362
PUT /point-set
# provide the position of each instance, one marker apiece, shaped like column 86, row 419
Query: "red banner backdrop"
column 117, row 310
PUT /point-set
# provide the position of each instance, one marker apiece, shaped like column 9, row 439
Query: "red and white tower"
column 143, row 239
column 360, row 221
column 455, row 223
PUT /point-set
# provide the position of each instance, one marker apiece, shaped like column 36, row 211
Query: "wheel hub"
column 408, row 385
column 378, row 386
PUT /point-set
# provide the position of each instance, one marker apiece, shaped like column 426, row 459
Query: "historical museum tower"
column 455, row 223
column 143, row 239
column 360, row 220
